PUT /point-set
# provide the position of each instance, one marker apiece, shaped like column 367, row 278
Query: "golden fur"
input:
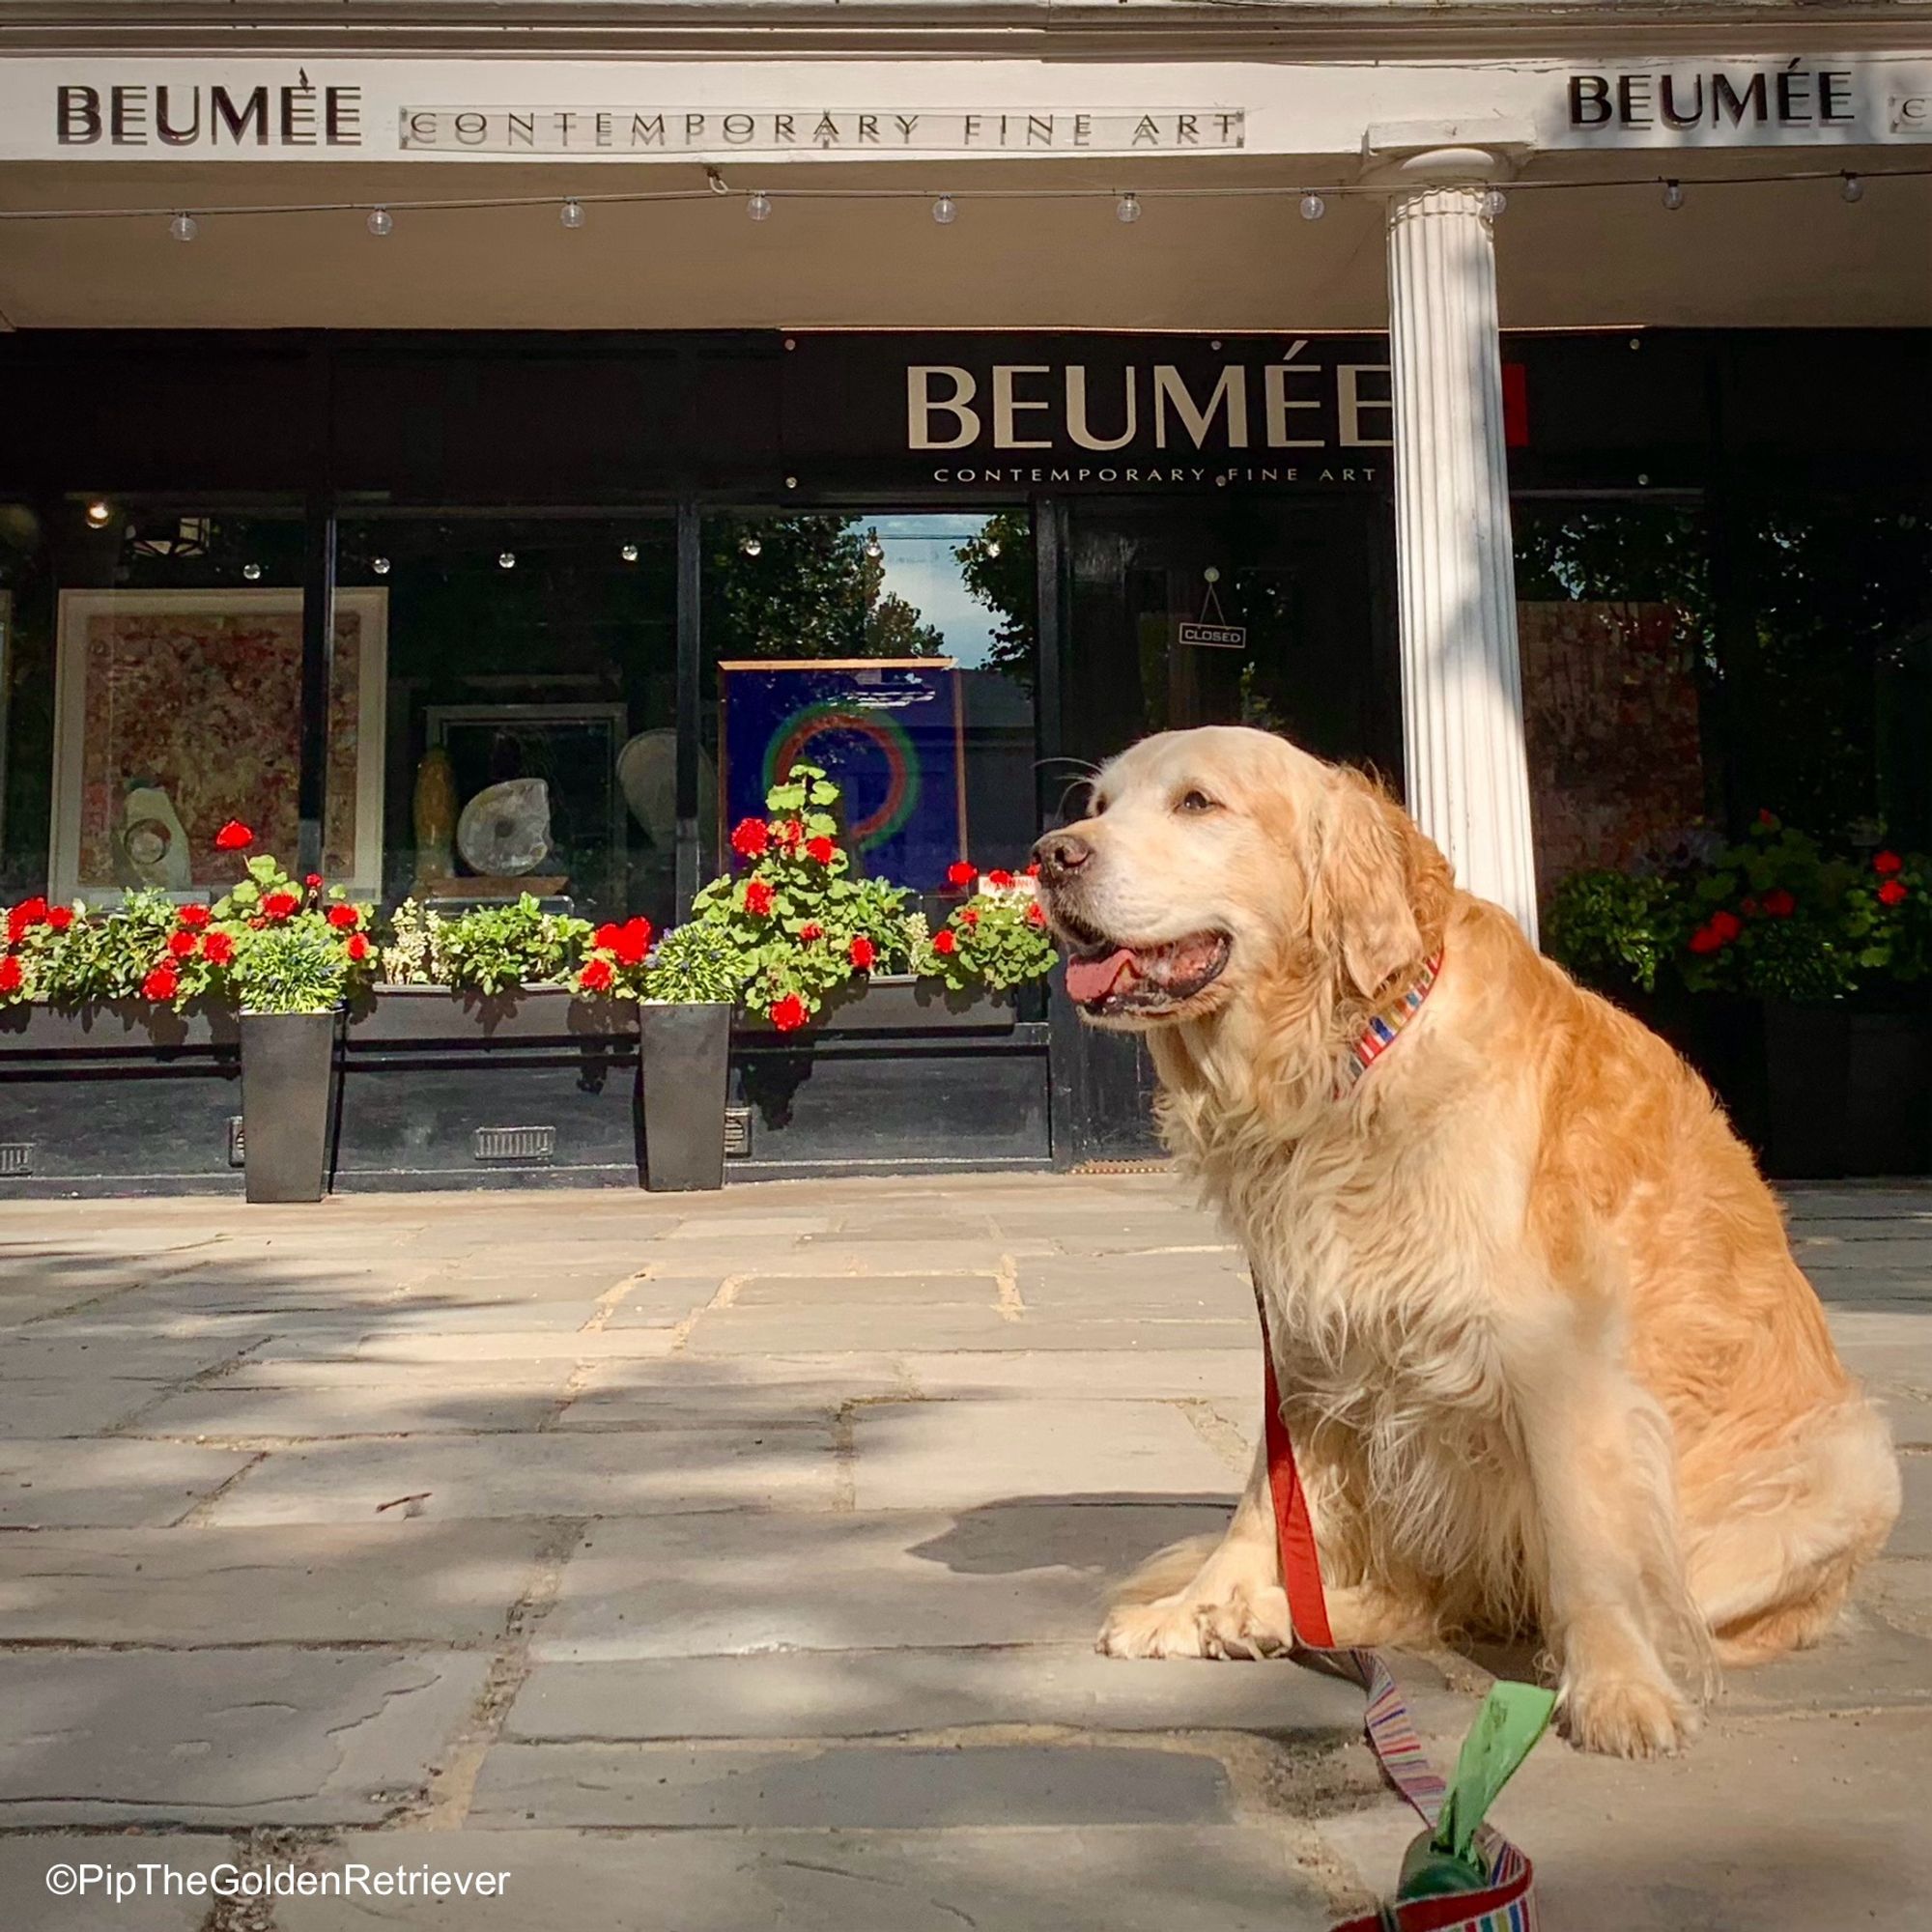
column 1546, row 1357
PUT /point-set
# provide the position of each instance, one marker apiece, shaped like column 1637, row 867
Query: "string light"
column 1853, row 188
column 183, row 228
column 874, row 548
column 1128, row 208
column 629, row 552
column 1312, row 207
column 1495, row 204
column 991, row 548
column 380, row 222
column 99, row 514
column 945, row 210
column 759, row 206
column 380, row 565
column 571, row 214
column 1674, row 195
column 506, row 559
column 252, row 572
column 750, row 545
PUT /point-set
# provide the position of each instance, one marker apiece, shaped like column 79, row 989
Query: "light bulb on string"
column 1852, row 188
column 1674, row 195
column 183, row 228
column 380, row 565
column 571, row 214
column 1128, row 208
column 99, row 514
column 758, row 206
column 252, row 572
column 750, row 545
column 506, row 559
column 874, row 548
column 380, row 222
column 1495, row 204
column 946, row 211
column 1312, row 207
column 629, row 552
column 991, row 548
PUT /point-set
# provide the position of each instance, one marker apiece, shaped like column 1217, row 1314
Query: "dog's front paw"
column 1167, row 1627
column 1242, row 1626
column 1624, row 1715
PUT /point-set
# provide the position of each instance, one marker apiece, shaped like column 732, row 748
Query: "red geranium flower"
column 1893, row 892
column 218, row 949
column 595, row 977
column 279, row 905
column 1035, row 914
column 194, row 917
column 1779, row 904
column 757, row 898
column 359, row 946
column 630, row 942
column 1706, row 940
column 182, row 945
column 1000, row 879
column 788, row 1014
column 162, row 983
column 1766, row 816
column 749, row 839
column 790, row 833
column 9, row 974
column 961, row 873
column 821, row 849
column 1726, row 925
column 1033, row 871
column 313, row 881
column 59, row 918
column 234, row 837
column 1886, row 864
column 970, row 916
column 811, row 930
column 25, row 916
column 862, row 952
column 343, row 916
column 945, row 940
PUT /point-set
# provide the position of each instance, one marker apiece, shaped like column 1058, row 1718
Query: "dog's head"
column 1213, row 862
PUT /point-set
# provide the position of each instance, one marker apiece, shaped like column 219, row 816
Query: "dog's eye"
column 1195, row 800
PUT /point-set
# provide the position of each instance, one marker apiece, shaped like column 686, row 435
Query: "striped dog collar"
column 1379, row 1034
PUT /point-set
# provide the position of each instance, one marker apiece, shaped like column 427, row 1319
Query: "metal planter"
column 683, row 1064
column 288, row 1077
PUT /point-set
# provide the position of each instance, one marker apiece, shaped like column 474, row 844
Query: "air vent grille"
column 17, row 1157
column 237, row 1154
column 516, row 1143
column 737, row 1132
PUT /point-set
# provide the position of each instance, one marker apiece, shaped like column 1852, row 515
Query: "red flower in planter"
column 1001, row 879
column 1707, row 939
column 359, row 946
column 791, row 834
column 632, row 941
column 9, row 974
column 757, row 898
column 25, row 917
column 234, row 837
column 279, row 905
column 162, row 983
column 1033, row 871
column 59, row 918
column 970, row 916
column 749, row 837
column 595, row 977
column 313, row 881
column 182, row 945
column 1886, row 864
column 1893, row 892
column 811, row 930
column 344, row 918
column 862, row 952
column 218, row 949
column 194, row 917
column 1726, row 925
column 961, row 873
column 821, row 849
column 1779, row 904
column 1035, row 914
column 945, row 940
column 790, row 1013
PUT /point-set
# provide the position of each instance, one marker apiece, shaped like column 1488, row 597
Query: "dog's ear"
column 1366, row 889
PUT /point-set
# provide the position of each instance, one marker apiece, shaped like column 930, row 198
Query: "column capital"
column 1472, row 152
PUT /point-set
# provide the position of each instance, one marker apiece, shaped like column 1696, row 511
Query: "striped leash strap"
column 1506, row 1904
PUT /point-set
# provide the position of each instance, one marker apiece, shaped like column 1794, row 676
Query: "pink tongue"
column 1090, row 980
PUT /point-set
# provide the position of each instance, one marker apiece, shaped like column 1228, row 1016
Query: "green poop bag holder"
column 1459, row 1874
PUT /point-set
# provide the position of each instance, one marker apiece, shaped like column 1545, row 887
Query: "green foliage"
column 493, row 949
column 998, row 568
column 1614, row 930
column 694, row 964
column 293, row 966
column 811, row 592
column 996, row 939
column 95, row 957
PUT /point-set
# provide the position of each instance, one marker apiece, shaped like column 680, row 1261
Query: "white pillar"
column 1462, row 683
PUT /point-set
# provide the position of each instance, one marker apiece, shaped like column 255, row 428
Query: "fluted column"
column 1461, row 682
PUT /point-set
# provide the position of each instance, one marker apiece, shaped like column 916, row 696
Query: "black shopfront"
column 1109, row 534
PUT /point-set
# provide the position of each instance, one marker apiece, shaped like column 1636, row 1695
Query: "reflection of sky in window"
column 919, row 566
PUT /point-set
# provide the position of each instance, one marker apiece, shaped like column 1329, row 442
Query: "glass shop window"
column 896, row 651
column 527, row 738
column 149, row 692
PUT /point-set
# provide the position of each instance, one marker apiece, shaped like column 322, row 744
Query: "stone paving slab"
column 1107, row 1374
column 71, row 1485
column 537, row 1375
column 349, row 1409
column 550, row 1475
column 30, row 1906
column 918, row 1455
column 65, row 1407
column 394, row 1581
column 292, row 1737
column 1899, row 1590
column 35, row 1356
column 1913, row 1534
column 1155, row 1877
column 924, row 1288
column 742, row 1582
column 872, row 1326
column 889, row 1693
column 881, row 1787
column 685, row 1392
column 432, row 1350
column 1865, row 1663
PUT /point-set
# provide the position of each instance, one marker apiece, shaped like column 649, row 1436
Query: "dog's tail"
column 1165, row 1572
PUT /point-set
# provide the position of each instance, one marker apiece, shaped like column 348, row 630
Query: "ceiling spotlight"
column 629, row 552
column 99, row 514
column 380, row 222
column 1674, row 195
column 1495, row 204
column 1853, row 188
column 380, row 565
column 183, row 228
column 506, row 559
column 945, row 210
column 1312, row 207
column 252, row 572
column 571, row 214
column 715, row 181
column 1128, row 208
column 750, row 543
column 758, row 206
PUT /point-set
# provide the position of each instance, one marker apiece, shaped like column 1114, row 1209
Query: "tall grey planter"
column 683, row 1055
column 287, row 1067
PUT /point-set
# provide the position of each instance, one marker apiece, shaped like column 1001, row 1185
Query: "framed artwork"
column 178, row 710
column 890, row 731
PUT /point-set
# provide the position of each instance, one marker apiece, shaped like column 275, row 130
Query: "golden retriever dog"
column 1546, row 1358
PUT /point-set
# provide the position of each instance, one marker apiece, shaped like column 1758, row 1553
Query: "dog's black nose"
column 1059, row 854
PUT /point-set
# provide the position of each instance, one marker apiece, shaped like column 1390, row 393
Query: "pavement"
column 491, row 1563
